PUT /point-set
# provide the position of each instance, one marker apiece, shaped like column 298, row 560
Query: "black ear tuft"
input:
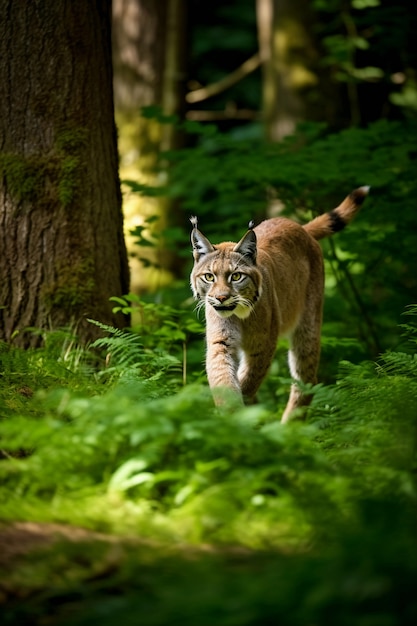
column 201, row 245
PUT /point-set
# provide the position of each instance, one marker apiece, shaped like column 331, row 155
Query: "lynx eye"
column 236, row 276
column 208, row 277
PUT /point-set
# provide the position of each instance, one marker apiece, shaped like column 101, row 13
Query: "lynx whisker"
column 199, row 307
column 246, row 302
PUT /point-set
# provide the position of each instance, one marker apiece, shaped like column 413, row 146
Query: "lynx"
column 267, row 286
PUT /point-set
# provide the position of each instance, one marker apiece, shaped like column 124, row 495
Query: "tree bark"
column 149, row 60
column 61, row 227
column 138, row 52
column 295, row 85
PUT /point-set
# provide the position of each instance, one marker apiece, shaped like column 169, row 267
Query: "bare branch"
column 198, row 95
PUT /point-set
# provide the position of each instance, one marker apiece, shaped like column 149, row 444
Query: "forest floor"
column 53, row 574
column 18, row 539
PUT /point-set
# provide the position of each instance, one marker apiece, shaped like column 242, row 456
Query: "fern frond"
column 124, row 347
column 128, row 359
column 398, row 364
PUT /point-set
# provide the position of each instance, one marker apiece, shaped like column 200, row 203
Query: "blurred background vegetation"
column 251, row 109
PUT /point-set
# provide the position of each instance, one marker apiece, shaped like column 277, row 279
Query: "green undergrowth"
column 233, row 517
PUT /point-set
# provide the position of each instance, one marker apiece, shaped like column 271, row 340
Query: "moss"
column 67, row 181
column 73, row 287
column 70, row 143
column 21, row 175
column 70, row 140
column 47, row 179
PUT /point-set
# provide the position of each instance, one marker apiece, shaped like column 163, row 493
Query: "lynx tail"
column 334, row 221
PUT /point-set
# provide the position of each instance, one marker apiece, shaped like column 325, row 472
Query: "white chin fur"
column 225, row 314
column 241, row 311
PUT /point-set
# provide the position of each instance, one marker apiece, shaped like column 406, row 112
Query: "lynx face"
column 227, row 283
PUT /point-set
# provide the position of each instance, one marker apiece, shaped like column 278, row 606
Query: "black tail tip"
column 358, row 195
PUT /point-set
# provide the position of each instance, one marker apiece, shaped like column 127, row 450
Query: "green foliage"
column 128, row 358
column 164, row 329
column 365, row 48
column 141, row 235
column 221, row 38
column 227, row 179
column 330, row 502
column 369, row 267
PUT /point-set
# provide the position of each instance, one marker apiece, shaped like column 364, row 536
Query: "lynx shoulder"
column 267, row 285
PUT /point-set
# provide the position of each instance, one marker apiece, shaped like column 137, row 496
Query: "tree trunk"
column 295, row 85
column 149, row 59
column 138, row 52
column 61, row 228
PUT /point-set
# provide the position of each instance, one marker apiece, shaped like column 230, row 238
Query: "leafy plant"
column 163, row 328
column 128, row 357
column 331, row 502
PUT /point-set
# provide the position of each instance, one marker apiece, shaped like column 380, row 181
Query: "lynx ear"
column 201, row 244
column 247, row 245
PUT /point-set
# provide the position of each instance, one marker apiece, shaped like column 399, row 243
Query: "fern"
column 398, row 364
column 127, row 357
column 124, row 347
column 333, row 497
column 410, row 329
column 402, row 363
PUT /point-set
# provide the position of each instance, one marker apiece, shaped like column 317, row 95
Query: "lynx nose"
column 221, row 298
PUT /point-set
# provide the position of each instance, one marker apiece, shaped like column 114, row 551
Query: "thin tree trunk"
column 295, row 85
column 138, row 53
column 62, row 252
column 149, row 58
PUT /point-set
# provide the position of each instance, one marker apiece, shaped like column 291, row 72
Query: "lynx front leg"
column 303, row 359
column 221, row 367
column 252, row 370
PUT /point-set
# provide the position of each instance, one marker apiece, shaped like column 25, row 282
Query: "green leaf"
column 129, row 474
column 365, row 4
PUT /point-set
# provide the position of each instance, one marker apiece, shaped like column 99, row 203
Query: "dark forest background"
column 326, row 103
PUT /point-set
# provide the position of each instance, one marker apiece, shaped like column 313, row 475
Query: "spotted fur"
column 268, row 285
